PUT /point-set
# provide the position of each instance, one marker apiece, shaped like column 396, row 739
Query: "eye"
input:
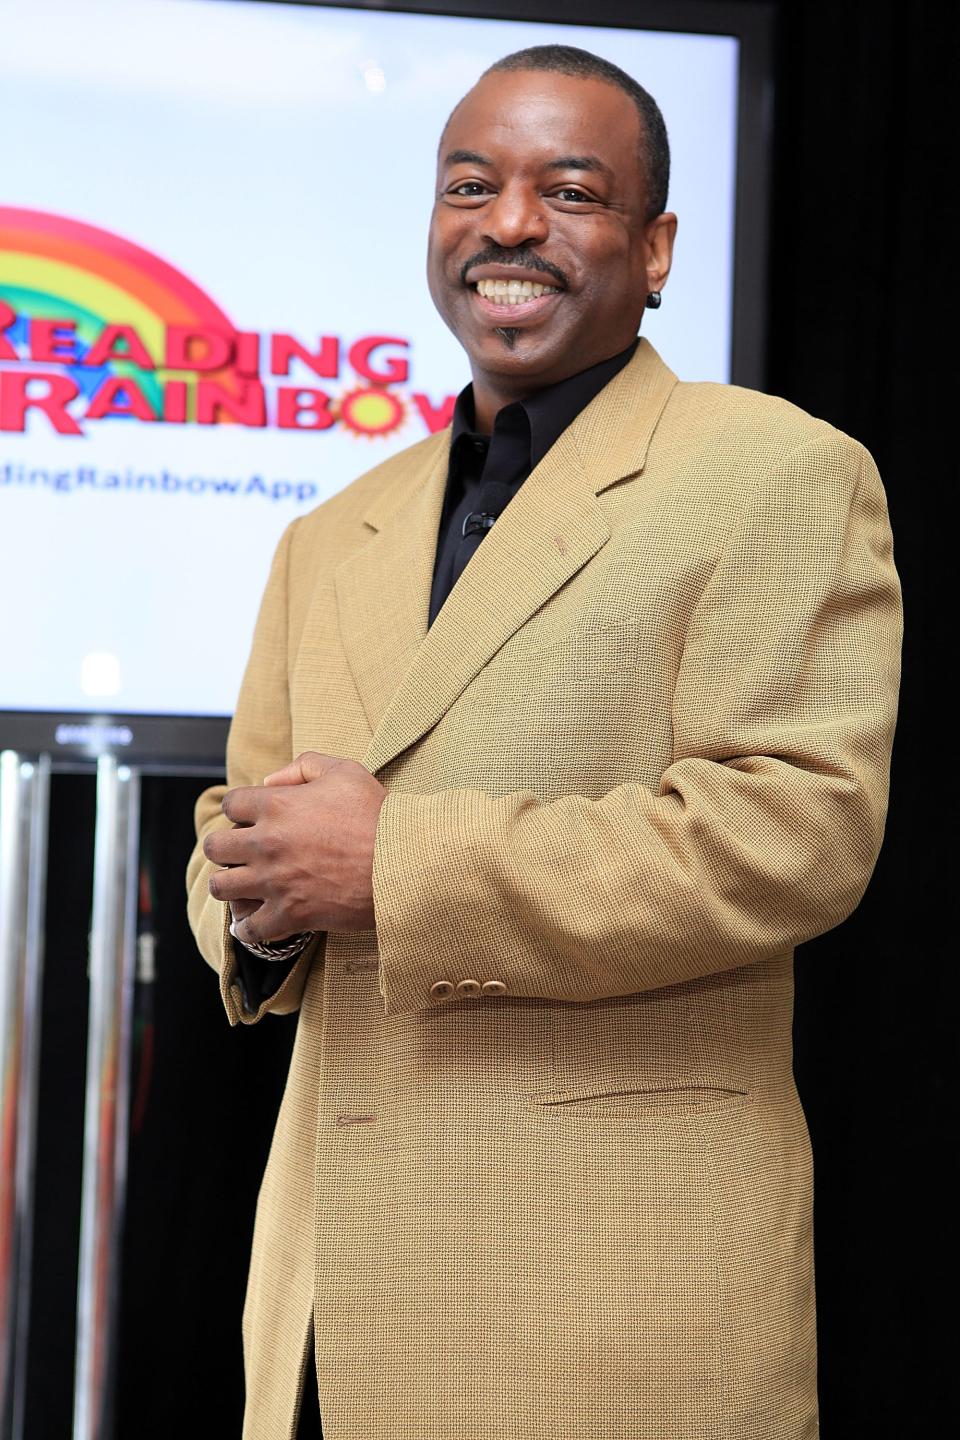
column 574, row 198
column 467, row 190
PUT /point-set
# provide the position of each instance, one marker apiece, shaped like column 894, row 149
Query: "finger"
column 243, row 805
column 236, row 883
column 229, row 847
column 262, row 926
column 240, row 909
column 289, row 775
column 311, row 765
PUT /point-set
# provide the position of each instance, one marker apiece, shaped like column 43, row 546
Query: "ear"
column 660, row 234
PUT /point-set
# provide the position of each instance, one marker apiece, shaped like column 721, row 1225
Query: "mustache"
column 523, row 259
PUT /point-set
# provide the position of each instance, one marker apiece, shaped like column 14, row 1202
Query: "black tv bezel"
column 187, row 744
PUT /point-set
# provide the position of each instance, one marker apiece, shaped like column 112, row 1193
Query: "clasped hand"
column 300, row 855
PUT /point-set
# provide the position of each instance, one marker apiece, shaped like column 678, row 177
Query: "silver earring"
column 653, row 300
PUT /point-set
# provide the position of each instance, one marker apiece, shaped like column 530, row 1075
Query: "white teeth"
column 513, row 292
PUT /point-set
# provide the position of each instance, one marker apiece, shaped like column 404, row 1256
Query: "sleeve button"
column 441, row 989
column 493, row 987
column 468, row 987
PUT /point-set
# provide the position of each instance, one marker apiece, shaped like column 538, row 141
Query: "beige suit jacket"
column 640, row 755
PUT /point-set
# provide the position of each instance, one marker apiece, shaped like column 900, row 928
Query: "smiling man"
column 592, row 699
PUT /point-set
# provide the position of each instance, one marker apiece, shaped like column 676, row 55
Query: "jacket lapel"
column 409, row 676
column 383, row 589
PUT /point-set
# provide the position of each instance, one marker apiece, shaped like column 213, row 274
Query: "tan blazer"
column 639, row 756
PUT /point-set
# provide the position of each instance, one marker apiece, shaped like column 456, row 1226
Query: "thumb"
column 311, row 765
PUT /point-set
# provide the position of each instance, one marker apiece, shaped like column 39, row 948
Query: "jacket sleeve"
column 766, row 825
column 259, row 742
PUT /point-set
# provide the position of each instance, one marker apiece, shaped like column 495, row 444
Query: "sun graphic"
column 371, row 412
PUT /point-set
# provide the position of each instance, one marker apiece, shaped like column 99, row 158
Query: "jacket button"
column 468, row 987
column 441, row 989
column 493, row 987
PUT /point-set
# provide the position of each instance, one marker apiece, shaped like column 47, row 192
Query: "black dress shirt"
column 484, row 474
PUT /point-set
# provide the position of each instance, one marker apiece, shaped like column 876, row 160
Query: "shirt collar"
column 548, row 411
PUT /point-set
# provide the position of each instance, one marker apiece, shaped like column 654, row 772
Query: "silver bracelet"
column 276, row 950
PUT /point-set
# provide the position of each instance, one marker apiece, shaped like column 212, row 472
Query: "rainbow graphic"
column 115, row 333
column 55, row 267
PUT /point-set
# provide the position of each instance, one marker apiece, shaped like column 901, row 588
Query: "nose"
column 517, row 216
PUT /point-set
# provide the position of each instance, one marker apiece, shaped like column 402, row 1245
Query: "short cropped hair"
column 568, row 60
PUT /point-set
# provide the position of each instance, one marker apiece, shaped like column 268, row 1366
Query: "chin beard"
column 508, row 336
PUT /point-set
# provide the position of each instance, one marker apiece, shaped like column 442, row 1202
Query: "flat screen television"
column 213, row 310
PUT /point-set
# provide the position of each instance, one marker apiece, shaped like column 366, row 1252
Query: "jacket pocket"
column 675, row 1100
column 569, row 666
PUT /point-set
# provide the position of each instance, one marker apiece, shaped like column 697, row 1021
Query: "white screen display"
column 213, row 307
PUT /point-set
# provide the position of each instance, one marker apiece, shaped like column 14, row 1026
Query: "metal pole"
column 24, row 802
column 112, row 954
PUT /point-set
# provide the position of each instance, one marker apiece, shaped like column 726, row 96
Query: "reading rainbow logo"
column 94, row 327
column 53, row 265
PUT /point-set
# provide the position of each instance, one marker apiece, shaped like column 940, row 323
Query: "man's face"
column 539, row 184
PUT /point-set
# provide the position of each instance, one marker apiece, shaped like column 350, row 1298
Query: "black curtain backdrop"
column 858, row 296
column 858, row 271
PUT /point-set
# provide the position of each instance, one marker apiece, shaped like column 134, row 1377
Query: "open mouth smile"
column 511, row 292
column 499, row 300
